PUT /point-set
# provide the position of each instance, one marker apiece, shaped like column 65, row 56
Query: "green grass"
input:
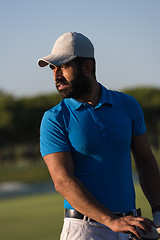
column 31, row 218
column 24, row 172
column 40, row 217
column 142, row 202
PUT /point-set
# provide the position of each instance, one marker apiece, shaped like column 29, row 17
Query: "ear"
column 87, row 68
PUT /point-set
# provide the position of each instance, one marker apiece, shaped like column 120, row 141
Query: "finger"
column 143, row 223
column 134, row 232
column 133, row 237
column 147, row 225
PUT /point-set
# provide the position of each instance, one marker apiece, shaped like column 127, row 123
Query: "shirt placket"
column 100, row 126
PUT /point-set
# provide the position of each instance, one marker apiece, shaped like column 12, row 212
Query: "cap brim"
column 55, row 60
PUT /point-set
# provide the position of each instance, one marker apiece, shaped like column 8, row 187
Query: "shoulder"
column 57, row 115
column 117, row 95
column 56, row 112
column 53, row 116
column 124, row 99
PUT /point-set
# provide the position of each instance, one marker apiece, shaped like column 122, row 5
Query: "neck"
column 94, row 95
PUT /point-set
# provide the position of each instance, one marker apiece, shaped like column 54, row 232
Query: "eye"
column 65, row 66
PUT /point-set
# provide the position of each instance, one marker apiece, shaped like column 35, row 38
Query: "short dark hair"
column 79, row 61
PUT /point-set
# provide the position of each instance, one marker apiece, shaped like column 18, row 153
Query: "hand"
column 131, row 225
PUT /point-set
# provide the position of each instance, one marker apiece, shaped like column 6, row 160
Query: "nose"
column 57, row 71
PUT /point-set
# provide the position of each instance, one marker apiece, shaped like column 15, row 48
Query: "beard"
column 79, row 87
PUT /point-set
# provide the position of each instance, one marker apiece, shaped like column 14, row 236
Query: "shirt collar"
column 105, row 98
column 73, row 103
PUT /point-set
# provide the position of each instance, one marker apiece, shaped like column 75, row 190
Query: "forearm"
column 83, row 201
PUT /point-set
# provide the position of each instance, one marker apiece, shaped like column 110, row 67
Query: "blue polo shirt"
column 99, row 139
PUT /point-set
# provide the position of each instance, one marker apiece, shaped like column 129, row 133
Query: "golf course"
column 40, row 217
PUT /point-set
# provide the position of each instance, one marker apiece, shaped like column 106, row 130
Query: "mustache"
column 61, row 80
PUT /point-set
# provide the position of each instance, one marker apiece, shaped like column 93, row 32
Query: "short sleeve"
column 138, row 124
column 53, row 137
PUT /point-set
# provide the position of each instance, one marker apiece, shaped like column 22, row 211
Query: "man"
column 86, row 141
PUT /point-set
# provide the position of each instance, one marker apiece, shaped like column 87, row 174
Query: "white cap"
column 67, row 47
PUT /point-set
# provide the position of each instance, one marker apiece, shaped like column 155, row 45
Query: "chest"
column 91, row 130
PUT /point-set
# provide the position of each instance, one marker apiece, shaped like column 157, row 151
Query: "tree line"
column 20, row 120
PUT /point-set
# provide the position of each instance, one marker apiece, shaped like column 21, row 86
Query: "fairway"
column 31, row 218
column 40, row 217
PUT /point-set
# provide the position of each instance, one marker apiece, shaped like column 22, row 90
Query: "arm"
column 147, row 168
column 61, row 168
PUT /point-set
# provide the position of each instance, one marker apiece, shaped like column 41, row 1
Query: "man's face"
column 70, row 81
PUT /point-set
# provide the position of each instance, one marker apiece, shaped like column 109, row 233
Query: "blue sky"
column 125, row 33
